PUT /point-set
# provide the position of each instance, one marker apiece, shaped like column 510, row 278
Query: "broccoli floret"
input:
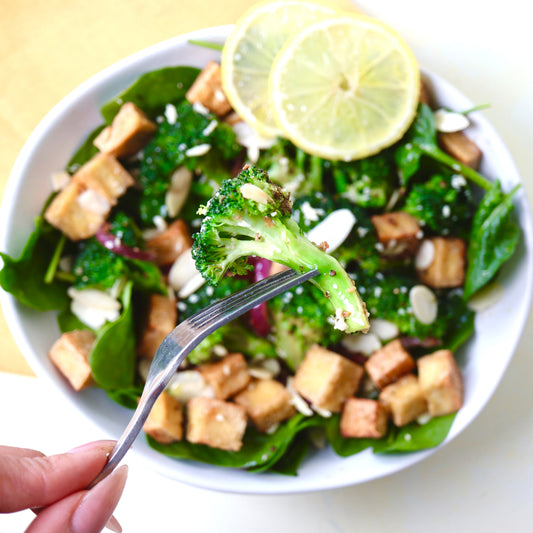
column 96, row 266
column 387, row 297
column 293, row 169
column 367, row 182
column 249, row 215
column 443, row 204
column 169, row 148
column 309, row 210
column 299, row 320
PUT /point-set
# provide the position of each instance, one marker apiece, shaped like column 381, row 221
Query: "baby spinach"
column 414, row 437
column 420, row 140
column 493, row 238
column 409, row 438
column 112, row 358
column 153, row 91
column 260, row 451
column 25, row 277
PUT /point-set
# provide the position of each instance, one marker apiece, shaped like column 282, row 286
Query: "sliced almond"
column 449, row 122
column 366, row 343
column 425, row 255
column 424, row 304
column 334, row 229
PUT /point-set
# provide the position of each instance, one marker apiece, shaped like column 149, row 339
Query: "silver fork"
column 186, row 336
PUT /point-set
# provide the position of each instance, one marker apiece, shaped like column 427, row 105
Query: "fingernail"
column 97, row 506
column 97, row 444
column 113, row 525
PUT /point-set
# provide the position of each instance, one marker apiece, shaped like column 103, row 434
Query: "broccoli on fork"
column 249, row 215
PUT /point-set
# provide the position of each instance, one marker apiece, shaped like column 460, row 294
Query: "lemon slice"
column 250, row 50
column 345, row 87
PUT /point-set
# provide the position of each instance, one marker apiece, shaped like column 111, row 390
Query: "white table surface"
column 482, row 480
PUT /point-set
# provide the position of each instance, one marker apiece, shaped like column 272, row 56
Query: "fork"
column 186, row 336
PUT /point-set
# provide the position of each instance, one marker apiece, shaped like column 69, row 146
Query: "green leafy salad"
column 174, row 202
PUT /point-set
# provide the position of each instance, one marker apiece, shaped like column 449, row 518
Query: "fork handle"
column 146, row 402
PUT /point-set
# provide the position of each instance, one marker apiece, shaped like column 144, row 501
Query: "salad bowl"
column 483, row 358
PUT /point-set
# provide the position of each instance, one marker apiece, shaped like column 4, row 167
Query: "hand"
column 55, row 488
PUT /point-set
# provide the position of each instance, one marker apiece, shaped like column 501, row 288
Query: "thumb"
column 29, row 482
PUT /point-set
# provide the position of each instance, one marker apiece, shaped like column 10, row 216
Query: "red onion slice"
column 259, row 314
column 115, row 245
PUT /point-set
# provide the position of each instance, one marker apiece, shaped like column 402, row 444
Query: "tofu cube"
column 458, row 145
column 267, row 403
column 327, row 379
column 363, row 419
column 70, row 355
column 83, row 205
column 389, row 363
column 398, row 233
column 404, row 400
column 162, row 319
column 128, row 133
column 441, row 382
column 77, row 219
column 448, row 264
column 104, row 174
column 216, row 423
column 165, row 421
column 227, row 376
column 207, row 89
column 169, row 244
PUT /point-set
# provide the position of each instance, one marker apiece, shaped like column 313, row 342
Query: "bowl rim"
column 11, row 310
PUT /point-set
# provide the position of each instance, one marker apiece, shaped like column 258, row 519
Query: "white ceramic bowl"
column 49, row 148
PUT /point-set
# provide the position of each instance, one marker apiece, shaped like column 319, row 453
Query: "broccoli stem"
column 292, row 249
column 437, row 154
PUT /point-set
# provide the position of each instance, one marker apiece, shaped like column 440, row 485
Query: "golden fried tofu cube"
column 104, row 174
column 327, row 379
column 207, row 89
column 267, row 403
column 448, row 265
column 227, row 376
column 70, row 355
column 389, row 363
column 165, row 421
column 169, row 244
column 162, row 319
column 458, row 145
column 216, row 423
column 441, row 382
column 77, row 211
column 128, row 133
column 404, row 400
column 363, row 418
column 398, row 233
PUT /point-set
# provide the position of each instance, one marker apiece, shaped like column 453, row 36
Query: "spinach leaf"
column 68, row 321
column 153, row 91
column 24, row 277
column 421, row 139
column 260, row 451
column 112, row 358
column 410, row 438
column 415, row 437
column 493, row 239
column 341, row 446
column 126, row 397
